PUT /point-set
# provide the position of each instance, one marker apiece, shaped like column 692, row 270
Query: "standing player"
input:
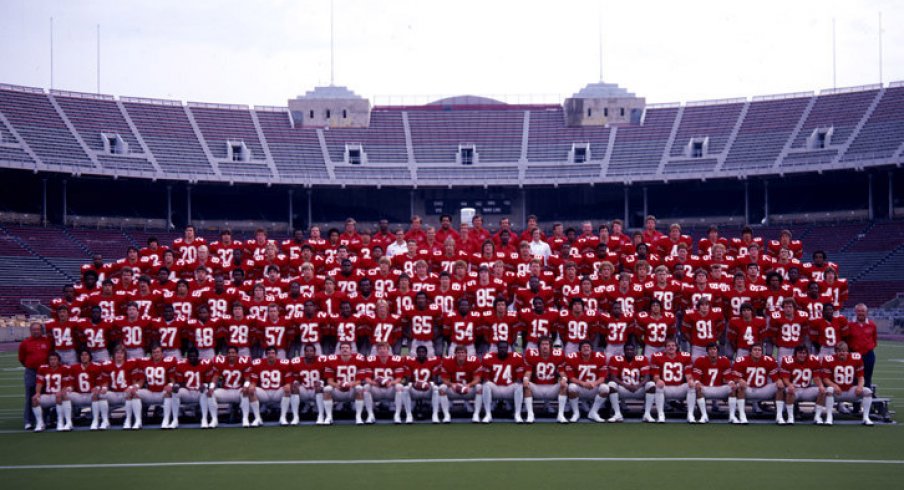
column 746, row 331
column 712, row 375
column 503, row 370
column 654, row 327
column 422, row 321
column 702, row 326
column 587, row 374
column 461, row 380
column 543, row 377
column 843, row 376
column 673, row 377
column 790, row 327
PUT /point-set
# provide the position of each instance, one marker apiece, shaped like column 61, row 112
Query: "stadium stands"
column 638, row 149
column 550, row 140
column 165, row 128
column 296, row 152
column 764, row 132
column 383, row 141
column 496, row 133
column 883, row 133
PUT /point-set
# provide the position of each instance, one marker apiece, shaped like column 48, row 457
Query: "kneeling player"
column 803, row 383
column 231, row 373
column 503, row 372
column 758, row 379
column 270, row 384
column 345, row 376
column 308, row 386
column 587, row 374
column 193, row 385
column 50, row 391
column 843, row 376
column 712, row 381
column 422, row 373
column 461, row 381
column 630, row 380
column 673, row 376
column 384, row 381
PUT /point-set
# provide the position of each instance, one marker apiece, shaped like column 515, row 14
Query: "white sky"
column 263, row 52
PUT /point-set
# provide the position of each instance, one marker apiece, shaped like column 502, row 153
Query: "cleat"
column 257, row 423
column 175, row 425
column 396, row 419
column 703, row 420
column 294, row 421
column 245, row 423
column 104, row 425
column 575, row 417
column 790, row 420
column 283, row 422
column 561, row 419
column 409, row 419
column 733, row 420
column 779, row 421
column 136, row 426
column 518, row 419
column 660, row 419
column 39, row 427
column 127, row 425
column 59, row 427
column 214, row 423
column 648, row 418
column 204, row 424
column 328, row 421
column 743, row 419
column 93, row 425
column 867, row 422
column 614, row 419
column 818, row 420
column 691, row 419
column 475, row 419
column 370, row 419
column 487, row 419
column 435, row 419
column 67, row 427
column 358, row 420
column 320, row 420
column 530, row 418
column 28, row 426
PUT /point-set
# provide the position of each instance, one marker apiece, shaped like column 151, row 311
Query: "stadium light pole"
column 44, row 202
column 291, row 193
column 169, row 207
column 891, row 194
column 765, row 202
column 65, row 201
column 310, row 211
column 869, row 188
column 747, row 202
column 627, row 197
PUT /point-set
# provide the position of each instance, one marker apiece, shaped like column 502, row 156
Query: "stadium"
column 545, row 228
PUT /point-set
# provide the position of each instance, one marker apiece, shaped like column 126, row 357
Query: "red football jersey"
column 703, row 329
column 238, row 333
column 757, row 373
column 193, row 376
column 54, row 380
column 422, row 372
column 654, row 331
column 496, row 329
column 743, row 335
column 829, row 333
column 132, row 333
column 630, row 371
column 346, row 370
column 843, row 373
column 169, row 334
column 84, row 377
column 503, row 372
column 544, row 370
column 232, row 376
column 800, row 374
column 309, row 330
column 423, row 323
column 589, row 369
column 64, row 334
column 270, row 376
column 309, row 374
column 462, row 329
column 712, row 373
column 671, row 370
column 347, row 329
column 538, row 324
column 203, row 335
column 155, row 374
column 388, row 368
column 463, row 373
column 617, row 329
column 118, row 377
column 789, row 332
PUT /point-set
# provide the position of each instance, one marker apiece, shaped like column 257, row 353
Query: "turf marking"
column 325, row 462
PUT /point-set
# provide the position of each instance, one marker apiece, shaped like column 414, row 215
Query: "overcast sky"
column 263, row 52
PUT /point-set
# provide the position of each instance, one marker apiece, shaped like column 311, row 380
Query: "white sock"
column 406, row 401
column 779, row 408
column 742, row 407
column 318, row 402
column 67, row 412
column 435, row 401
column 167, row 410
column 867, row 405
column 444, row 403
column 61, row 417
column 487, row 401
column 519, row 401
column 256, row 408
column 819, row 410
column 789, row 407
column 648, row 403
column 616, row 408
column 369, row 403
column 39, row 415
column 245, row 405
column 284, row 403
column 830, row 405
column 127, row 405
column 563, row 399
column 176, row 403
column 295, row 402
column 398, row 401
column 136, row 409
column 732, row 405
column 104, row 406
column 529, row 402
column 701, row 404
column 95, row 412
column 359, row 406
column 597, row 403
column 478, row 401
column 212, row 407
column 660, row 403
column 328, row 408
column 574, row 405
column 690, row 400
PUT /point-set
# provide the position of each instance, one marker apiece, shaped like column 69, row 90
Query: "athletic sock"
column 732, row 406
column 701, row 404
column 295, row 403
column 284, row 403
column 660, row 403
column 318, row 402
column 573, row 402
column 529, row 402
column 256, row 408
column 648, row 404
column 563, row 399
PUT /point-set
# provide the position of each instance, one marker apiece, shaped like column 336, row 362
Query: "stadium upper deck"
column 93, row 134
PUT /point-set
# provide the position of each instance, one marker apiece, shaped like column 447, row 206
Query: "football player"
column 461, row 379
column 843, row 376
column 712, row 380
column 673, row 376
column 587, row 374
column 503, row 375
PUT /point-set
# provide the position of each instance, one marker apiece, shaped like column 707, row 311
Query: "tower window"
column 467, row 154
column 311, row 116
column 327, row 113
column 697, row 149
column 605, row 112
column 344, row 114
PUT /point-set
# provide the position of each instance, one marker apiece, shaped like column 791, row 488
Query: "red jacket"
column 863, row 336
column 33, row 352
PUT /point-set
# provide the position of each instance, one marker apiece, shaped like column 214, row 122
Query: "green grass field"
column 843, row 456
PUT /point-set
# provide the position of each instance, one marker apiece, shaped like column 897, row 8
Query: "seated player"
column 270, row 383
column 83, row 387
column 544, row 378
column 673, row 377
column 461, row 380
column 422, row 373
column 192, row 384
column 587, row 374
column 152, row 385
column 843, row 377
column 116, row 378
column 801, row 375
column 50, row 391
column 384, row 380
column 503, row 374
column 345, row 374
column 757, row 378
column 231, row 375
column 308, row 373
column 712, row 380
column 630, row 380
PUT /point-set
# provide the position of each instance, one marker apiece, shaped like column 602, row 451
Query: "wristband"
column 247, row 384
column 211, row 386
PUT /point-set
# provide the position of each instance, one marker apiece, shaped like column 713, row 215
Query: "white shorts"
column 342, row 395
column 174, row 353
column 808, row 394
column 588, row 393
column 850, row 396
column 114, row 397
column 625, row 394
column 428, row 344
column 503, row 392
column 765, row 393
column 452, row 395
column 678, row 392
column 189, row 396
column 427, row 394
column 716, row 392
column 307, row 394
column 381, row 393
column 225, row 395
column 544, row 392
column 150, row 397
column 269, row 396
column 100, row 356
column 80, row 399
column 47, row 401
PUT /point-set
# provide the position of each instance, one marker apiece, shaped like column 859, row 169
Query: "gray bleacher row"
column 513, row 143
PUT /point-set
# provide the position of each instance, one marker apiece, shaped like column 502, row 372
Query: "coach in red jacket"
column 33, row 352
column 862, row 339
